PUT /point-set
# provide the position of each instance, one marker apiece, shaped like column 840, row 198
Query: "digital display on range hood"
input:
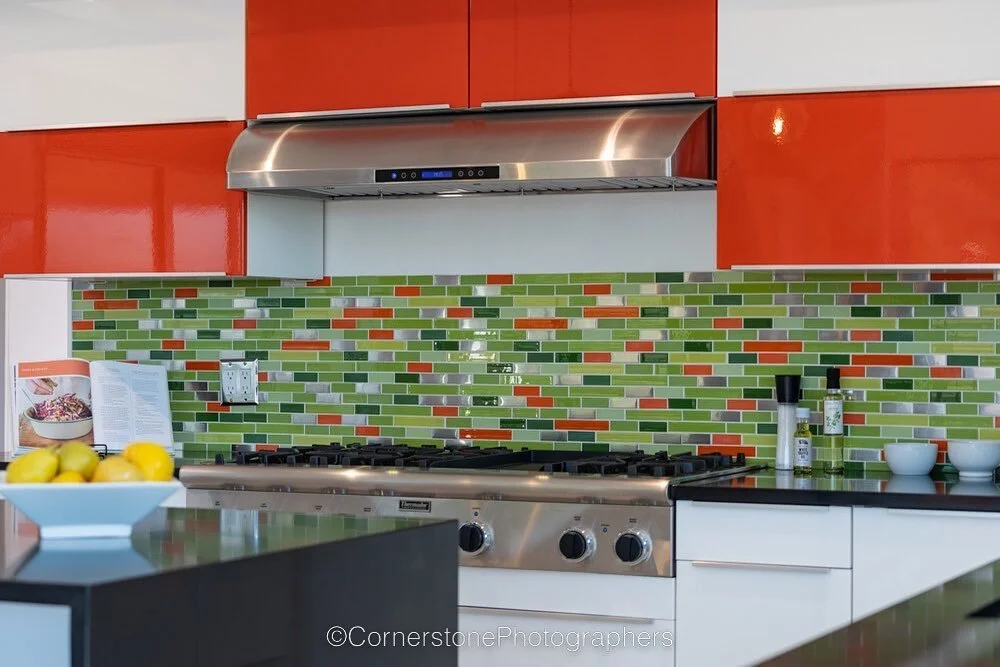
column 437, row 174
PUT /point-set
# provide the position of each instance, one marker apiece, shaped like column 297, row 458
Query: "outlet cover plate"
column 239, row 382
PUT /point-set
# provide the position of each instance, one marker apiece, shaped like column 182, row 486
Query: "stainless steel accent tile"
column 582, row 413
column 554, row 436
column 305, row 334
column 607, row 300
column 636, row 391
column 433, row 313
column 930, row 360
column 368, row 388
column 445, row 433
column 256, row 314
column 713, row 381
column 789, row 299
column 472, row 324
column 928, row 288
column 833, row 334
column 237, row 303
column 980, row 373
column 305, row 418
column 699, row 277
column 368, row 302
column 150, row 325
column 804, row 311
column 899, row 408
column 789, row 276
column 342, row 345
column 882, row 372
column 991, row 409
column 486, row 290
column 343, row 302
column 571, row 380
column 232, row 334
column 623, row 403
column 725, row 416
column 105, row 345
column 317, row 387
column 926, row 433
column 850, row 299
column 772, row 334
column 281, row 376
column 137, row 355
column 962, row 311
column 446, row 280
column 354, row 420
column 863, row 454
column 472, row 345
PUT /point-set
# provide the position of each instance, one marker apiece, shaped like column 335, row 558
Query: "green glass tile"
column 834, row 359
column 743, row 358
column 485, row 401
column 962, row 360
column 758, row 393
column 446, row 345
column 669, row 277
column 654, row 357
column 727, row 299
column 946, row 299
column 897, row 336
column 758, row 323
column 891, row 383
column 526, row 346
column 945, row 396
column 696, row 346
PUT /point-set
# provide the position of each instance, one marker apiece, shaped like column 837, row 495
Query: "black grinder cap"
column 833, row 378
column 788, row 388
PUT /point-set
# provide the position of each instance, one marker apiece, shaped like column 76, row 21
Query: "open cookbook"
column 109, row 403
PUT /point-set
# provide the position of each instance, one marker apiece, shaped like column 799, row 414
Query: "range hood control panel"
column 463, row 173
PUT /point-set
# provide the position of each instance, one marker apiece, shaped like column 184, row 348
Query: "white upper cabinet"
column 80, row 63
column 779, row 45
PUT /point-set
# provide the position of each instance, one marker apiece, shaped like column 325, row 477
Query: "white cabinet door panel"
column 809, row 535
column 504, row 638
column 731, row 614
column 121, row 62
column 809, row 44
column 900, row 553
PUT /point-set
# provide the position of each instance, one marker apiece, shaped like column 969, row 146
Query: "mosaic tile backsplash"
column 594, row 360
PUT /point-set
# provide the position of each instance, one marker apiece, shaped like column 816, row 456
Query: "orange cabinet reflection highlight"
column 899, row 177
column 120, row 199
column 541, row 49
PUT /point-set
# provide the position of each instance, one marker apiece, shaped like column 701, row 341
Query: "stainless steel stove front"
column 508, row 534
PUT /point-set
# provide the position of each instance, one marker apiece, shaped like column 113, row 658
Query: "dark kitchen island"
column 231, row 588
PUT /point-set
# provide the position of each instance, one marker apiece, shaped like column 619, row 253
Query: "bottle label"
column 803, row 452
column 833, row 416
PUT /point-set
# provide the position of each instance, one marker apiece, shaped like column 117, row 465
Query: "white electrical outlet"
column 239, row 382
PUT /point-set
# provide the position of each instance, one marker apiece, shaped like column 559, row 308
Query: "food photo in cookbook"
column 53, row 403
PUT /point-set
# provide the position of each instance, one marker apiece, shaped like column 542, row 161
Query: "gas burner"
column 633, row 464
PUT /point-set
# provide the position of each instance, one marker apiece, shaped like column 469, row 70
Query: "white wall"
column 36, row 327
column 667, row 231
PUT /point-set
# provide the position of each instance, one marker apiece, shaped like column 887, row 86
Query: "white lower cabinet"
column 900, row 553
column 506, row 638
column 731, row 614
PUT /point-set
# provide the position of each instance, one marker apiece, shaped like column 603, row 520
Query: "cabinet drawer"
column 806, row 535
column 731, row 614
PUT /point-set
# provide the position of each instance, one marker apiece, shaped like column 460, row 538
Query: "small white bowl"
column 105, row 509
column 910, row 458
column 53, row 430
column 975, row 459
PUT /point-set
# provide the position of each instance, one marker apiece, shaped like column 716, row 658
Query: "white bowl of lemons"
column 70, row 492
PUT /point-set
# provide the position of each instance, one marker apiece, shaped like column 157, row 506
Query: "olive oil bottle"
column 833, row 423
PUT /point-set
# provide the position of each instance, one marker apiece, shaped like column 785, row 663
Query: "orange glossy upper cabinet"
column 334, row 55
column 860, row 178
column 121, row 200
column 522, row 50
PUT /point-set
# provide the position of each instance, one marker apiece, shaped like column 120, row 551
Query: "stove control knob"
column 474, row 538
column 576, row 545
column 632, row 547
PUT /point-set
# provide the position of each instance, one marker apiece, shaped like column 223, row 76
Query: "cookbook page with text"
column 131, row 403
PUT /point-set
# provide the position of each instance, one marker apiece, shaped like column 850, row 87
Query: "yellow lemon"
column 69, row 477
column 116, row 469
column 35, row 467
column 79, row 458
column 155, row 462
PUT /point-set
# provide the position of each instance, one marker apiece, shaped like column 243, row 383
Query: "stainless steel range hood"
column 583, row 148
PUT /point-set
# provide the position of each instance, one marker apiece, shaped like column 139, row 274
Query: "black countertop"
column 893, row 491
column 931, row 629
column 172, row 539
column 206, row 587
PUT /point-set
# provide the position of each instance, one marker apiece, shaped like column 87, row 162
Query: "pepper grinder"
column 787, row 389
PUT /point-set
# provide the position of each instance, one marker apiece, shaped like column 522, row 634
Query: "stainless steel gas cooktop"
column 528, row 509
